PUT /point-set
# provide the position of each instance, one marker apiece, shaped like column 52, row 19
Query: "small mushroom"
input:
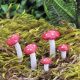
column 51, row 36
column 30, row 50
column 14, row 41
column 63, row 48
column 46, row 61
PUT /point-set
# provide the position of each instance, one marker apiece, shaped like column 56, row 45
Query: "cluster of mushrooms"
column 30, row 49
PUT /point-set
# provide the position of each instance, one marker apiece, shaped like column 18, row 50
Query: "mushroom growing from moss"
column 46, row 61
column 13, row 40
column 63, row 48
column 51, row 36
column 30, row 50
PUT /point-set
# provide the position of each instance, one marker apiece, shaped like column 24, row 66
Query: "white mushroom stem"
column 33, row 61
column 46, row 67
column 52, row 48
column 63, row 54
column 19, row 51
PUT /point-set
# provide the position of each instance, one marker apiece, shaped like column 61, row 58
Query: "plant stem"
column 78, row 13
column 7, row 15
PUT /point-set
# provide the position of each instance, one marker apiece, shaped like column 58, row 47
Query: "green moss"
column 30, row 31
column 72, row 72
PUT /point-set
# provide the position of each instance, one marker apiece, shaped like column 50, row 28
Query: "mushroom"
column 63, row 48
column 14, row 41
column 30, row 50
column 46, row 61
column 51, row 36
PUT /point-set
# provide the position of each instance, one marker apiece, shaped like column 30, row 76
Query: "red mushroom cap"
column 46, row 60
column 12, row 40
column 63, row 47
column 50, row 35
column 31, row 48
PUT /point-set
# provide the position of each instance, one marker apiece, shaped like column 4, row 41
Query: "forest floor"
column 30, row 31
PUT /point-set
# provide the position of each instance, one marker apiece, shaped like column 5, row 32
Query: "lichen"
column 30, row 31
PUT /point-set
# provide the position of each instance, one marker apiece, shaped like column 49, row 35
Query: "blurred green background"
column 54, row 11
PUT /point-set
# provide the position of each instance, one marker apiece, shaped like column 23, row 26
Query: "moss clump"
column 72, row 72
column 30, row 31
